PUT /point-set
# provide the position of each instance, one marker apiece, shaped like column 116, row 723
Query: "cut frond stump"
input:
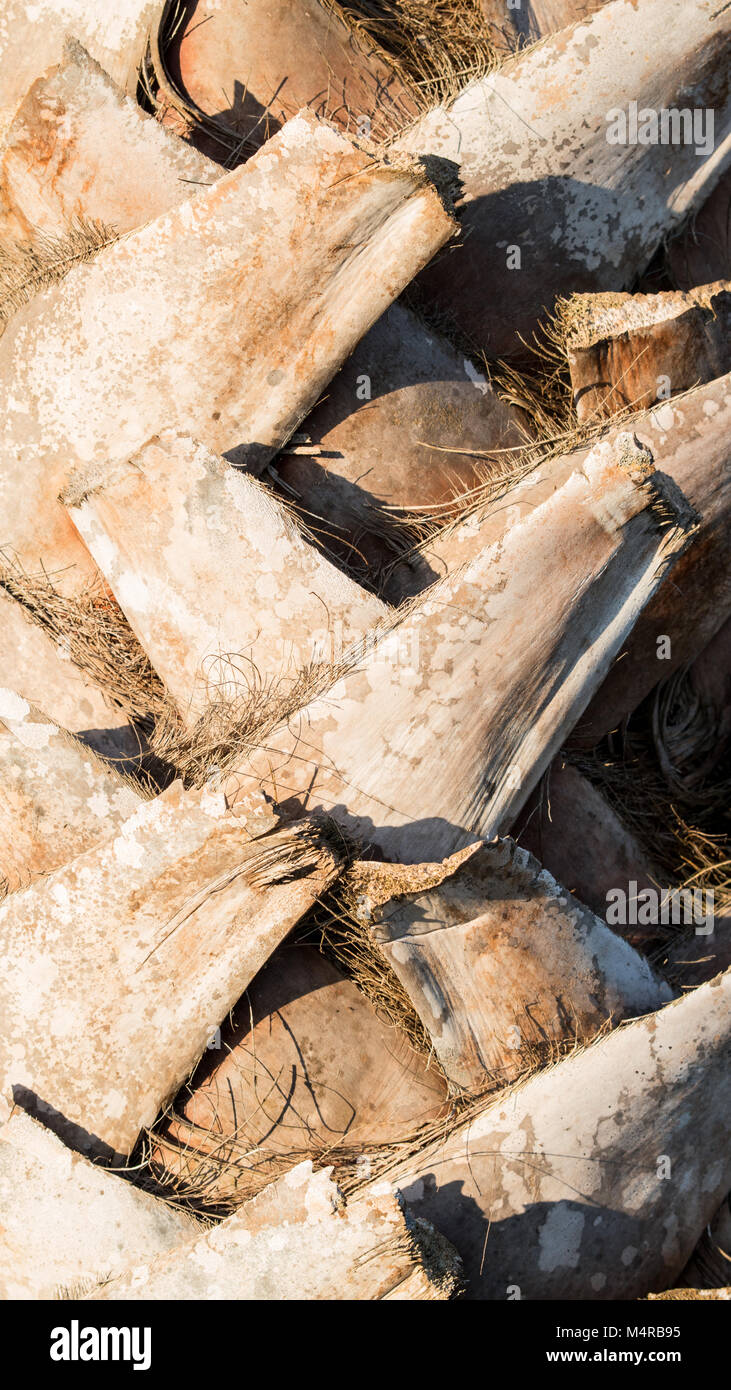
column 498, row 962
column 303, row 1068
column 575, row 833
column 238, row 306
column 80, row 152
column 387, row 440
column 300, row 1239
column 66, row 1222
column 227, row 75
column 155, row 934
column 637, row 350
column 226, row 585
column 33, row 34
column 558, row 196
column 562, row 1186
column 438, row 735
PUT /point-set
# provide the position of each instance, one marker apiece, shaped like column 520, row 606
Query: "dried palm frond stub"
column 39, row 665
column 300, row 1239
column 498, row 960
column 238, row 306
column 701, row 252
column 595, row 1179
column 577, row 835
column 559, row 194
column 120, row 965
column 224, row 580
column 66, row 1223
column 58, row 797
column 690, row 438
column 230, row 75
column 33, row 33
column 305, row 1069
column 638, row 349
column 78, row 148
column 387, row 436
column 422, row 749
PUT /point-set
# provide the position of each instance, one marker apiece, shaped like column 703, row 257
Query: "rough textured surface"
column 305, row 1064
column 224, row 589
column 635, row 350
column 539, row 175
column 378, row 437
column 595, row 1179
column 65, row 1223
column 423, row 755
column 571, row 828
column 253, row 66
column 691, row 441
column 299, row 1240
column 498, row 959
column 41, row 672
column 58, row 798
column 80, row 148
column 120, row 966
column 32, row 35
column 238, row 306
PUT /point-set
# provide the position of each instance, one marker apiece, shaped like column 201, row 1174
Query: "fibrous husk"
column 38, row 660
